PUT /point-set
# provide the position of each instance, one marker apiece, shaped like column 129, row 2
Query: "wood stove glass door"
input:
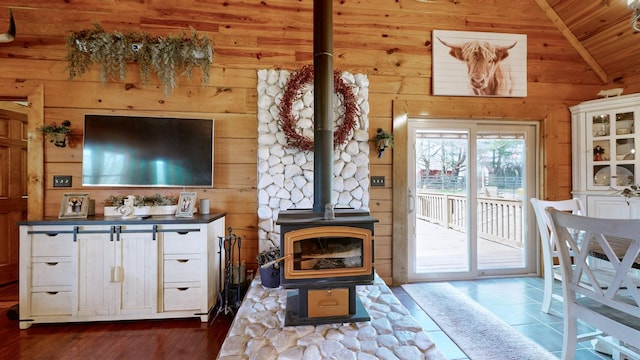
column 468, row 185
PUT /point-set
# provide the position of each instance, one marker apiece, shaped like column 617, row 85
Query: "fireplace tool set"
column 230, row 291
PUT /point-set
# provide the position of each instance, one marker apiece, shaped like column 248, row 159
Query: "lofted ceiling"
column 600, row 31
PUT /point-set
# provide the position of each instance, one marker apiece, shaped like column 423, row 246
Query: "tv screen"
column 147, row 151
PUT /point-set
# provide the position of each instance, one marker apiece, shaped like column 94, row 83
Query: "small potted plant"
column 57, row 134
column 157, row 204
column 383, row 140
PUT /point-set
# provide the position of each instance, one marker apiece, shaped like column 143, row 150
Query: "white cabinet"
column 604, row 138
column 94, row 270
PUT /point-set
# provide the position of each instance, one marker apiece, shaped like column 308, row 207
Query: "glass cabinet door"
column 612, row 160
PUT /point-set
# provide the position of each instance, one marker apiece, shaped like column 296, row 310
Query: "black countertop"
column 117, row 220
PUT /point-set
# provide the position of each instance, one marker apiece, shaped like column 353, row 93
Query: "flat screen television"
column 137, row 151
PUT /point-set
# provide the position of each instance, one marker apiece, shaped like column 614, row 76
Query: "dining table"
column 619, row 247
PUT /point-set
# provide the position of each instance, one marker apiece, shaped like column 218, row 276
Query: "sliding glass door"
column 469, row 182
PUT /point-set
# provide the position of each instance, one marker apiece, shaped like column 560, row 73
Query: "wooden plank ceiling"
column 602, row 35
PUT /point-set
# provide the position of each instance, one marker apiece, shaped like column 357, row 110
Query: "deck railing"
column 498, row 219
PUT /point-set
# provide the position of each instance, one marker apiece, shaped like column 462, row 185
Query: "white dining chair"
column 611, row 305
column 551, row 267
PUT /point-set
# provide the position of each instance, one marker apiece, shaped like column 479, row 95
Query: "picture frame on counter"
column 74, row 206
column 186, row 204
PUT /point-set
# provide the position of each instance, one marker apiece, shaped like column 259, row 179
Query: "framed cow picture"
column 479, row 64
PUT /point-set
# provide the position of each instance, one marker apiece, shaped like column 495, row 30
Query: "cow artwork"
column 479, row 64
column 487, row 75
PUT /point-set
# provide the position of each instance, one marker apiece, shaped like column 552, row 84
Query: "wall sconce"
column 383, row 140
column 635, row 18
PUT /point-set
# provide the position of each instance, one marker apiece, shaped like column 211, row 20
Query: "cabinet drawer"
column 52, row 244
column 51, row 273
column 182, row 270
column 51, row 303
column 182, row 298
column 182, row 242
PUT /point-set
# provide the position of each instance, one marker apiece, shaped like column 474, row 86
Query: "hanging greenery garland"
column 113, row 51
column 293, row 92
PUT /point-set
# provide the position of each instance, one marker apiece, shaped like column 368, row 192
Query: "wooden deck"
column 440, row 249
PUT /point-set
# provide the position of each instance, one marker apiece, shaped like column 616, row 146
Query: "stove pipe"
column 323, row 90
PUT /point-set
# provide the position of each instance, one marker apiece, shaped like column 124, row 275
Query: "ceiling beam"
column 577, row 45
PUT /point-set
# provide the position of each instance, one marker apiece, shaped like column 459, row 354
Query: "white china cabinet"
column 605, row 136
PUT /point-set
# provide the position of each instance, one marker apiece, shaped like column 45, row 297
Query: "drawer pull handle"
column 52, row 234
column 183, row 260
column 182, row 289
column 52, row 263
column 52, row 292
column 182, row 232
column 328, row 303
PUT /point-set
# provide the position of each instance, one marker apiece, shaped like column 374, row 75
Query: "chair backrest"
column 615, row 240
column 549, row 252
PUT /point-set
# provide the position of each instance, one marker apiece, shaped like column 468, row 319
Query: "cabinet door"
column 610, row 207
column 611, row 139
column 97, row 274
column 138, row 263
column 117, row 271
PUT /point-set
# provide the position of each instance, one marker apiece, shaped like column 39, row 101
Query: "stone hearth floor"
column 257, row 332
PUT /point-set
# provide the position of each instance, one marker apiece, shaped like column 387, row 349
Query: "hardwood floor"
column 514, row 300
column 152, row 339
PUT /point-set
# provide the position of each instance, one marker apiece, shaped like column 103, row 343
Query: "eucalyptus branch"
column 166, row 56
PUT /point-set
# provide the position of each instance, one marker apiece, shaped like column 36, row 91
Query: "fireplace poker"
column 266, row 265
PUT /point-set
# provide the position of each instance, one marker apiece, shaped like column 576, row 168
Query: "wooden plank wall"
column 388, row 40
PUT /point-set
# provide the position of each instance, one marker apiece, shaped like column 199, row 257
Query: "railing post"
column 447, row 212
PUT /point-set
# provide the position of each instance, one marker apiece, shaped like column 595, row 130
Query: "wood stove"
column 326, row 251
column 324, row 260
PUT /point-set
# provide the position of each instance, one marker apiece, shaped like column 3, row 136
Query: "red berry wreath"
column 293, row 92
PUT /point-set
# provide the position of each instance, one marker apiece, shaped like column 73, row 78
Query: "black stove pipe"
column 323, row 103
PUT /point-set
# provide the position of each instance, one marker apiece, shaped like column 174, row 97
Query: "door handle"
column 117, row 274
column 412, row 202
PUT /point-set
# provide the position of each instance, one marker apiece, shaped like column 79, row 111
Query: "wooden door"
column 13, row 185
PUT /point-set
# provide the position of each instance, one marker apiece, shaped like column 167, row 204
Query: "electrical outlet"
column 377, row 181
column 62, row 181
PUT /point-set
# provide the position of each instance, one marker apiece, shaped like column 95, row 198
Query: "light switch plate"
column 62, row 181
column 377, row 181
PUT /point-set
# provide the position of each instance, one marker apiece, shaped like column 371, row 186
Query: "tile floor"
column 517, row 302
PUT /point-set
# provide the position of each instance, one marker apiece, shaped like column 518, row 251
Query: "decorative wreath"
column 293, row 92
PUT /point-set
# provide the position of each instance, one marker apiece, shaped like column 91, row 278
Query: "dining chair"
column 551, row 268
column 610, row 305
